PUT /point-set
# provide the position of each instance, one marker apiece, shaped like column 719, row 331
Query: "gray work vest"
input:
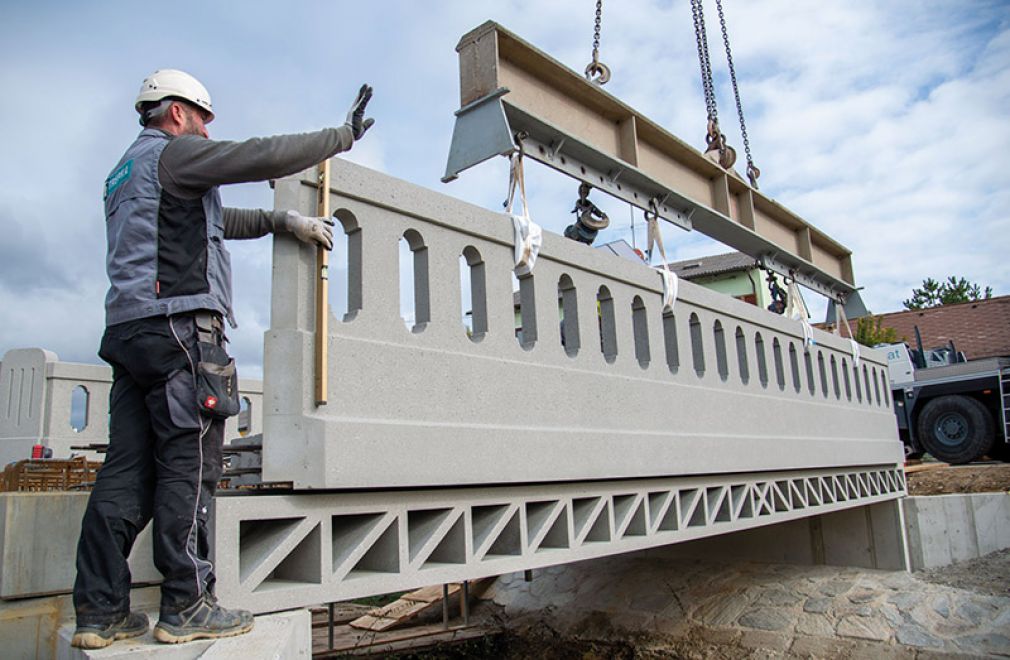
column 166, row 253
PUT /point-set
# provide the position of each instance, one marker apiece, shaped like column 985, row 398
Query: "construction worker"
column 173, row 382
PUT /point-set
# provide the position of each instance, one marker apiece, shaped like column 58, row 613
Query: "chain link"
column 701, row 37
column 752, row 171
column 596, row 32
column 597, row 72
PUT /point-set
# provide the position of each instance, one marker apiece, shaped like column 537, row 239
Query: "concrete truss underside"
column 281, row 551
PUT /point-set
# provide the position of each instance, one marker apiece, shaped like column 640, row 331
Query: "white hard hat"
column 172, row 82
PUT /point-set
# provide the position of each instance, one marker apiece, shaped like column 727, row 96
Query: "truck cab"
column 953, row 408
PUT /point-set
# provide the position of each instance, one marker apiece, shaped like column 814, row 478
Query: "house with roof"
column 734, row 274
column 979, row 329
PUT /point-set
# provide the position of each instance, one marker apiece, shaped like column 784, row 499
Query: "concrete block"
column 943, row 529
column 29, row 627
column 991, row 513
column 38, row 544
column 283, row 636
column 959, row 514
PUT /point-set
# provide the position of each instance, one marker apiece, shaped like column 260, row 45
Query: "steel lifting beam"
column 513, row 96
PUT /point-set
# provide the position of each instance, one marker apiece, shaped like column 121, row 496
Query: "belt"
column 209, row 326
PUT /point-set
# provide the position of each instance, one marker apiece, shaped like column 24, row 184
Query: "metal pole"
column 322, row 291
column 445, row 606
column 465, row 602
column 329, row 608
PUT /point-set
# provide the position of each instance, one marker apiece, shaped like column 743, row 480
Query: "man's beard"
column 191, row 127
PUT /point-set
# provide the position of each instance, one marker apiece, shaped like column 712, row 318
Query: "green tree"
column 870, row 331
column 954, row 290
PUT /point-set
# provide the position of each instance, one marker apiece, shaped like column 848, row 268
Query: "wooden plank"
column 407, row 607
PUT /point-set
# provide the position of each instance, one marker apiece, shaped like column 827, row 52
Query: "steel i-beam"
column 514, row 96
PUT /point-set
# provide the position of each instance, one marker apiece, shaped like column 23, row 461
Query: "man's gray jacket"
column 165, row 224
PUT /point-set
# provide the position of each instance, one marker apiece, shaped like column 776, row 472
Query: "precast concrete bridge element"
column 451, row 451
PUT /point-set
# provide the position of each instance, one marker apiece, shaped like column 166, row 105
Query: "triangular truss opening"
column 557, row 536
column 798, row 494
column 259, row 539
column 383, row 556
column 537, row 515
column 421, row 525
column 763, row 497
column 743, row 502
column 720, row 505
column 600, row 531
column 690, row 501
column 780, row 496
column 303, row 564
column 582, row 511
column 636, row 526
column 622, row 509
column 814, row 495
column 485, row 519
column 657, row 501
column 348, row 533
column 451, row 549
column 509, row 541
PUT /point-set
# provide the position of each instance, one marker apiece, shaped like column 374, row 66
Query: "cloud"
column 881, row 123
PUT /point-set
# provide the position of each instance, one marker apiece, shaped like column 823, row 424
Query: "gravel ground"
column 993, row 477
column 986, row 575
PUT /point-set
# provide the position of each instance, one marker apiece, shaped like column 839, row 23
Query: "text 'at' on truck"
column 955, row 409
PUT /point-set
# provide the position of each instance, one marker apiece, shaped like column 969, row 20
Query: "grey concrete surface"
column 676, row 394
column 279, row 551
column 944, row 529
column 29, row 627
column 38, row 544
column 282, row 636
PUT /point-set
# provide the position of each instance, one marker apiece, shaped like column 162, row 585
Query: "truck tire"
column 955, row 429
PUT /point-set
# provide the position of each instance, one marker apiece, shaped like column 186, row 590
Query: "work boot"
column 204, row 619
column 133, row 624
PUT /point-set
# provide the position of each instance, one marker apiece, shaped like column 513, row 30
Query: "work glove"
column 356, row 115
column 310, row 230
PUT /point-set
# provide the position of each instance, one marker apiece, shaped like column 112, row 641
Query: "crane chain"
column 701, row 37
column 752, row 171
column 596, row 71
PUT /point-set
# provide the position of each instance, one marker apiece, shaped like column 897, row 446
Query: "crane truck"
column 955, row 409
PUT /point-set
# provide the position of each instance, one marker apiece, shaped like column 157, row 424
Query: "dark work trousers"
column 164, row 461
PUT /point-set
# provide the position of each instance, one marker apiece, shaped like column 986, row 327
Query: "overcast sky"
column 885, row 124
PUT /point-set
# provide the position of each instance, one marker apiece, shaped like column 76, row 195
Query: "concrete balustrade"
column 61, row 405
column 714, row 386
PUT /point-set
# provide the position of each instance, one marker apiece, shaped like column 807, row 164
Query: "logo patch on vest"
column 118, row 178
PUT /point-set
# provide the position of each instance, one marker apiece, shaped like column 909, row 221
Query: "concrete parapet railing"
column 60, row 405
column 716, row 386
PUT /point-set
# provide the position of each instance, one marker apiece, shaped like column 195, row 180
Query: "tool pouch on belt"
column 216, row 382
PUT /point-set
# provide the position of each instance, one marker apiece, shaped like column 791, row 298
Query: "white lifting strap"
column 670, row 281
column 797, row 309
column 840, row 319
column 528, row 234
